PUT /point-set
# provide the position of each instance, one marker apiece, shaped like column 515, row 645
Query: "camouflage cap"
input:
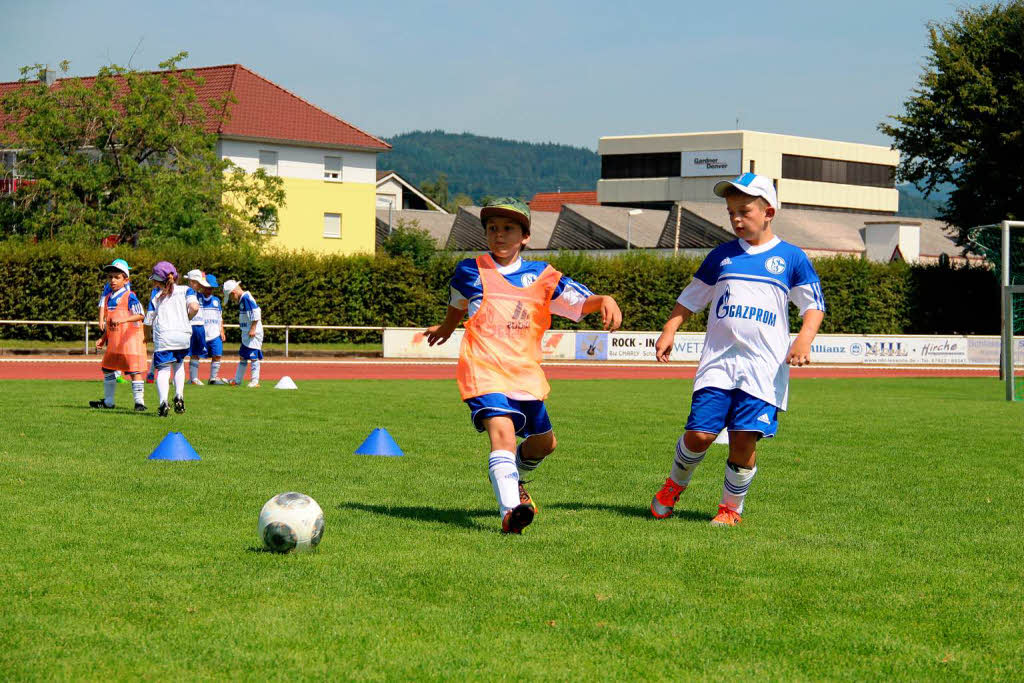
column 509, row 207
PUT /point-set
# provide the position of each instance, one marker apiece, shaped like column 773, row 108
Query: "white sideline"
column 563, row 364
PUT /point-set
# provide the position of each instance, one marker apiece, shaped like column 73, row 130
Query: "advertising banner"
column 828, row 348
column 641, row 346
column 412, row 343
column 916, row 350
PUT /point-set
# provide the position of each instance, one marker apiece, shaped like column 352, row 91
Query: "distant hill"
column 913, row 205
column 478, row 165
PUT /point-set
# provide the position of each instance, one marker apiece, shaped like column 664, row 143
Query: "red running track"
column 274, row 369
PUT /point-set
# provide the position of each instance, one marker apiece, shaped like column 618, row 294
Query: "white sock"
column 139, row 391
column 737, row 481
column 163, row 381
column 109, row 386
column 214, row 370
column 179, row 378
column 240, row 372
column 504, row 479
column 193, row 369
column 685, row 464
column 255, row 371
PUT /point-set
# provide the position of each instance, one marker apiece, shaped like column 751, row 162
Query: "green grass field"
column 881, row 539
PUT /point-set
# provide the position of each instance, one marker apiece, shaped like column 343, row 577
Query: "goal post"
column 1013, row 308
column 1004, row 249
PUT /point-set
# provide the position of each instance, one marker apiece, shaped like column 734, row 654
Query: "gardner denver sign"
column 712, row 162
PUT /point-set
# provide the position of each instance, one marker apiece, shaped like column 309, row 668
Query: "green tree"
column 963, row 123
column 410, row 241
column 437, row 190
column 126, row 153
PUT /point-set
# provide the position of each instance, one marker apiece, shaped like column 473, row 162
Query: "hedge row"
column 58, row 282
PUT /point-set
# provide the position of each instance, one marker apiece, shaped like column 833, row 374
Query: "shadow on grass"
column 643, row 512
column 258, row 549
column 454, row 516
column 116, row 410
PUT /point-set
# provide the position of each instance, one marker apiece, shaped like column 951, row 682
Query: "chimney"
column 48, row 76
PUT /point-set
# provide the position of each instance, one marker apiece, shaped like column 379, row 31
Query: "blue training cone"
column 379, row 442
column 174, row 446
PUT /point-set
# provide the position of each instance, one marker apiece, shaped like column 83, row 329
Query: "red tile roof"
column 552, row 201
column 265, row 110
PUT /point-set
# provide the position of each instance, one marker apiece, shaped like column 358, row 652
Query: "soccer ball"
column 291, row 522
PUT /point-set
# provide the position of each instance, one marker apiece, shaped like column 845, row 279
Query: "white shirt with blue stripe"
column 211, row 311
column 467, row 292
column 749, row 289
column 248, row 315
column 134, row 305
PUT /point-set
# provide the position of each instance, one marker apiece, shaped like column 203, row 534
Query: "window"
column 268, row 162
column 836, row 171
column 332, row 168
column 656, row 165
column 332, row 225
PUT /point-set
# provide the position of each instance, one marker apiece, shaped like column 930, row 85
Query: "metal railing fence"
column 86, row 324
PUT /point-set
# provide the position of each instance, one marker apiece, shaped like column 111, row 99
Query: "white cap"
column 752, row 184
column 198, row 276
column 230, row 286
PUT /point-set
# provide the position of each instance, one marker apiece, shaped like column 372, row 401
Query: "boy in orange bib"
column 509, row 302
column 123, row 337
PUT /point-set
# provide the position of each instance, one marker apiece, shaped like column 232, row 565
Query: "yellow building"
column 809, row 173
column 329, row 166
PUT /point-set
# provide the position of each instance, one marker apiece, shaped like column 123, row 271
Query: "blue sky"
column 566, row 72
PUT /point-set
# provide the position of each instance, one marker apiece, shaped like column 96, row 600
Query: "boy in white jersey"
column 251, row 324
column 509, row 302
column 197, row 345
column 742, row 380
column 213, row 318
column 170, row 313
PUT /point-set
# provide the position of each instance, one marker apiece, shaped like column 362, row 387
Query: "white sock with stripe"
column 139, row 391
column 214, row 370
column 109, row 386
column 737, row 481
column 685, row 464
column 255, row 371
column 193, row 369
column 240, row 372
column 163, row 382
column 504, row 479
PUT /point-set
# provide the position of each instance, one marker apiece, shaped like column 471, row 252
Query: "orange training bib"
column 126, row 343
column 501, row 350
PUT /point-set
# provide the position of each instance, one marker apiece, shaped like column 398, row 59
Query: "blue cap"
column 211, row 278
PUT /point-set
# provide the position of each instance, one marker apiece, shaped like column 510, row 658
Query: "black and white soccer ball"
column 291, row 522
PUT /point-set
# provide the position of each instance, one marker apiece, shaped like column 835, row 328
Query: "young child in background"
column 509, row 302
column 197, row 344
column 170, row 313
column 250, row 322
column 742, row 380
column 213, row 318
column 123, row 336
column 102, row 316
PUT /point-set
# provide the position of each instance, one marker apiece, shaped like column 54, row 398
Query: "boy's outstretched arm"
column 800, row 350
column 663, row 347
column 438, row 334
column 611, row 316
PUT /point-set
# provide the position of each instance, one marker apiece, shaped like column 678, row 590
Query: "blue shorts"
column 197, row 345
column 245, row 353
column 214, row 347
column 713, row 409
column 529, row 417
column 162, row 358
